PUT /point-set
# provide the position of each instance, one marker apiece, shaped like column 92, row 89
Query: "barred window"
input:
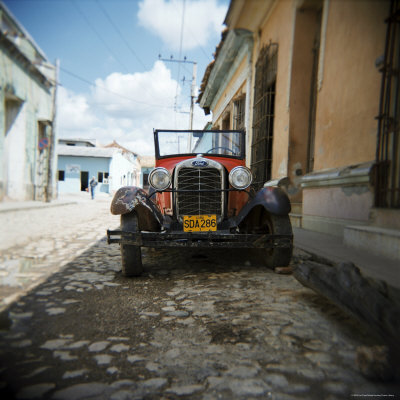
column 239, row 113
column 263, row 115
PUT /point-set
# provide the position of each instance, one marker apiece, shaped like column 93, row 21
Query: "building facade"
column 304, row 79
column 27, row 113
column 147, row 164
column 79, row 160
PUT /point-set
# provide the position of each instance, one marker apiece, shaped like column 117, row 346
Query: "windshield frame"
column 241, row 156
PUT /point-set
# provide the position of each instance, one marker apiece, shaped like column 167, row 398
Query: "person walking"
column 92, row 184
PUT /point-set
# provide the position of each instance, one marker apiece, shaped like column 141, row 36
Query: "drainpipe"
column 249, row 94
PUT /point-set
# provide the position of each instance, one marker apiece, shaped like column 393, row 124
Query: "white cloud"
column 73, row 111
column 203, row 19
column 125, row 108
column 136, row 94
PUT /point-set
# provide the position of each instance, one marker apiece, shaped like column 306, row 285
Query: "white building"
column 27, row 110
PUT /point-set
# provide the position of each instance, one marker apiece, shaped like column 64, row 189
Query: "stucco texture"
column 345, row 124
column 274, row 30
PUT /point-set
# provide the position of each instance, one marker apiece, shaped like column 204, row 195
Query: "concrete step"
column 296, row 220
column 297, row 208
column 380, row 241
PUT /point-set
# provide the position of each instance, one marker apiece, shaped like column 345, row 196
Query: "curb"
column 24, row 207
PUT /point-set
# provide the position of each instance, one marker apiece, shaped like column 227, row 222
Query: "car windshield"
column 224, row 143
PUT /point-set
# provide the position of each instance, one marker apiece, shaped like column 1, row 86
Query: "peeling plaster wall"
column 235, row 87
column 349, row 202
column 19, row 147
column 349, row 97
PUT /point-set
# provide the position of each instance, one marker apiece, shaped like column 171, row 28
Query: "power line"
column 112, row 92
column 120, row 34
column 98, row 35
column 197, row 41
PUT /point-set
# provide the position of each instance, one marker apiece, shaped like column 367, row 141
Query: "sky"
column 114, row 80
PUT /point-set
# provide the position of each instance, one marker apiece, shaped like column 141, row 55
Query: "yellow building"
column 304, row 79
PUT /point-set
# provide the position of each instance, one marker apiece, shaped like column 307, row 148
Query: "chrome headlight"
column 159, row 178
column 240, row 177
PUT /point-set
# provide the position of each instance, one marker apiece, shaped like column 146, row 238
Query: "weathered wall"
column 350, row 36
column 349, row 96
column 277, row 29
column 18, row 147
column 235, row 87
column 303, row 77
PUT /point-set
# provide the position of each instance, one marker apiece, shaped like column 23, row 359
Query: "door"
column 84, row 180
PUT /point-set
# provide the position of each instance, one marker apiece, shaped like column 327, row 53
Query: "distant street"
column 197, row 324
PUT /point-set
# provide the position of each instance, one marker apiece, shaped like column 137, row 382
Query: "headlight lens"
column 240, row 177
column 159, row 178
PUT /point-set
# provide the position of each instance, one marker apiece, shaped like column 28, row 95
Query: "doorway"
column 263, row 115
column 84, row 180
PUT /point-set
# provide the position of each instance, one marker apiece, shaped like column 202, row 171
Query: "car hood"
column 227, row 162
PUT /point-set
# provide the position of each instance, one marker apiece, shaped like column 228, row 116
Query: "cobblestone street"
column 196, row 325
column 35, row 243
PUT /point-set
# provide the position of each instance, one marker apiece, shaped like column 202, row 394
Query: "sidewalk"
column 62, row 200
column 331, row 248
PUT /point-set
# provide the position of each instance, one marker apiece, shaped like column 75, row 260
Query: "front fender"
column 273, row 199
column 132, row 198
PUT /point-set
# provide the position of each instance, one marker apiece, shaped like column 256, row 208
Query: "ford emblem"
column 199, row 163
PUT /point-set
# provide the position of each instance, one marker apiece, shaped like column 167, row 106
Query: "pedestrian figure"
column 92, row 184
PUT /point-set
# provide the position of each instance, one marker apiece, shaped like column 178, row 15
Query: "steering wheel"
column 223, row 148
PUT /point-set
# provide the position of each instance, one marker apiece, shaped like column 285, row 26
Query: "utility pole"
column 49, row 192
column 192, row 95
column 193, row 87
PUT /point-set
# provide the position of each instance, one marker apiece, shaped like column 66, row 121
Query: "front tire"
column 131, row 255
column 277, row 256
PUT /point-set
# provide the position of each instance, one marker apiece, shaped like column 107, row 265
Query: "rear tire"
column 278, row 256
column 131, row 255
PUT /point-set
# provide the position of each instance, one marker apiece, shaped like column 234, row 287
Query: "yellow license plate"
column 199, row 223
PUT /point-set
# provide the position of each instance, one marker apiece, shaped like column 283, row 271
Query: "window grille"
column 387, row 189
column 263, row 115
column 239, row 113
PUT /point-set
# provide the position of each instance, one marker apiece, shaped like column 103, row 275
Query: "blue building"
column 79, row 160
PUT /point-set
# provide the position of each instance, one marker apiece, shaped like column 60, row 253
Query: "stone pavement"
column 195, row 326
column 38, row 238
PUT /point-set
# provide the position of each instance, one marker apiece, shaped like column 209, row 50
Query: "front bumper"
column 205, row 239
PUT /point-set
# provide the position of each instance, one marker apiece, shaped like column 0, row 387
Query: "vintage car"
column 201, row 195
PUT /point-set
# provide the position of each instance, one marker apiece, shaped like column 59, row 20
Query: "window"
column 239, row 113
column 61, row 175
column 102, row 177
column 12, row 108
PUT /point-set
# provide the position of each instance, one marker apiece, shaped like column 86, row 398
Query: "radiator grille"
column 195, row 202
